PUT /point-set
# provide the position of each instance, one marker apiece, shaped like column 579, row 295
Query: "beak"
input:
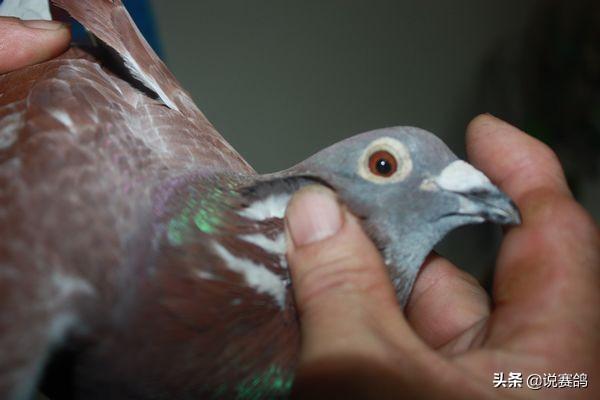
column 478, row 197
column 490, row 204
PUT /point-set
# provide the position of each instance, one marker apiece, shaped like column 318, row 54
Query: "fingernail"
column 314, row 214
column 44, row 24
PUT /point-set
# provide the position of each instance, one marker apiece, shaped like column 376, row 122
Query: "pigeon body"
column 143, row 258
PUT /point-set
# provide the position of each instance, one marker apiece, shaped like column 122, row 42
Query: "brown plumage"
column 83, row 156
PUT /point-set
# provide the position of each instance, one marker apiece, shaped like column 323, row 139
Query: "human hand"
column 543, row 315
column 24, row 43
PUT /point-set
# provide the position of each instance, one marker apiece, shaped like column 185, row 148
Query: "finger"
column 24, row 43
column 514, row 160
column 446, row 306
column 343, row 293
column 548, row 266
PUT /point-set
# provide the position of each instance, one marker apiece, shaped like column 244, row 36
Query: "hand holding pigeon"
column 542, row 317
column 143, row 257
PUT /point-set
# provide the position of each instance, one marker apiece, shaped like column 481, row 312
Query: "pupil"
column 383, row 166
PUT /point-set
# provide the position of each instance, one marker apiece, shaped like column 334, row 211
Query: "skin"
column 24, row 43
column 452, row 337
column 542, row 316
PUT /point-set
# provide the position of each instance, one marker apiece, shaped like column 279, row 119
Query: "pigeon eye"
column 383, row 163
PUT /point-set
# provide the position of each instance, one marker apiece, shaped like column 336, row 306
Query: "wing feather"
column 73, row 94
column 110, row 22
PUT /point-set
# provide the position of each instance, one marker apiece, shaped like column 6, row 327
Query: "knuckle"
column 562, row 239
column 556, row 210
column 546, row 153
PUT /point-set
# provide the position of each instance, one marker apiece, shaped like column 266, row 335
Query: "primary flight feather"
column 142, row 258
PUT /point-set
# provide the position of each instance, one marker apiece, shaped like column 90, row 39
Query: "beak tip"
column 510, row 214
column 498, row 208
column 514, row 215
column 516, row 219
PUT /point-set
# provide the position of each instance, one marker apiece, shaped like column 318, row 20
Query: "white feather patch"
column 147, row 80
column 62, row 117
column 256, row 275
column 66, row 286
column 69, row 285
column 272, row 206
column 61, row 324
column 9, row 130
column 206, row 275
column 26, row 9
column 461, row 177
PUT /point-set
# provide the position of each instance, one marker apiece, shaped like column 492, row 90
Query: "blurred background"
column 281, row 79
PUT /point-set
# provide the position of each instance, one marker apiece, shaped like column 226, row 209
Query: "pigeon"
column 141, row 257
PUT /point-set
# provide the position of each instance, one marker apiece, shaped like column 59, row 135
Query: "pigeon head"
column 409, row 189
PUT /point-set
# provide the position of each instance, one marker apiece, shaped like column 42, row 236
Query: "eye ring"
column 383, row 163
column 398, row 164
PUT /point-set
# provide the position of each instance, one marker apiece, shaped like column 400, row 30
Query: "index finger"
column 548, row 267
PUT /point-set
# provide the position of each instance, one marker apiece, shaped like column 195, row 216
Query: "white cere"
column 462, row 177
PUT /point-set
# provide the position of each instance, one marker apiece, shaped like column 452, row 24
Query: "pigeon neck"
column 220, row 295
column 189, row 208
column 229, row 230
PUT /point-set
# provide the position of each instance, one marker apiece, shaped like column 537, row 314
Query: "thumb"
column 24, row 43
column 345, row 299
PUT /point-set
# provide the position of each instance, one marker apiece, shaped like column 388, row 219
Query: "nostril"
column 478, row 192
